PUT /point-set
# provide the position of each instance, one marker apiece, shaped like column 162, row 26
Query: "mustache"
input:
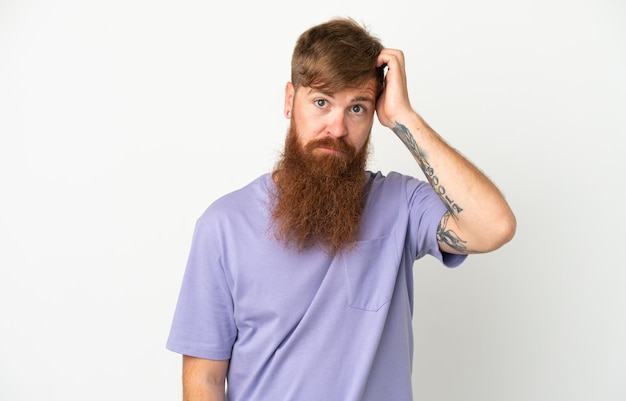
column 331, row 143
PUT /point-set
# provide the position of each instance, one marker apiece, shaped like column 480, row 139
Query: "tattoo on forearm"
column 407, row 138
column 449, row 237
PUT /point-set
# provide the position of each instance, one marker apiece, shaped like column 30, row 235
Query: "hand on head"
column 394, row 99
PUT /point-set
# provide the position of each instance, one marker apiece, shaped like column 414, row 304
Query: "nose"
column 336, row 125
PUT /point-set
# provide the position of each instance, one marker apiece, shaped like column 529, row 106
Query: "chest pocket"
column 371, row 270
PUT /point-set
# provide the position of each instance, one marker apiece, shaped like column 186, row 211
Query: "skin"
column 348, row 114
column 478, row 218
column 204, row 379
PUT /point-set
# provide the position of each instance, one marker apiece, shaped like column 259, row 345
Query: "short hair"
column 336, row 55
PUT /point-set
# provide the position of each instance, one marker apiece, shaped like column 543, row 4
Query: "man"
column 299, row 285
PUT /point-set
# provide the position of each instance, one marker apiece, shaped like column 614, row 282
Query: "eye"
column 358, row 109
column 320, row 102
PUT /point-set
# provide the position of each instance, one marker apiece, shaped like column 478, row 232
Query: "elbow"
column 494, row 234
column 508, row 231
column 503, row 231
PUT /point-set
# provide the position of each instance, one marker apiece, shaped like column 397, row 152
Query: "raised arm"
column 204, row 379
column 478, row 217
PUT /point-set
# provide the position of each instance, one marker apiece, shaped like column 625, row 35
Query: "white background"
column 121, row 120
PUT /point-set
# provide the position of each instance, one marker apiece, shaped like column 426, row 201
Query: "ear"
column 289, row 95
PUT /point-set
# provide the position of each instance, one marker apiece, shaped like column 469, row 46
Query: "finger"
column 389, row 56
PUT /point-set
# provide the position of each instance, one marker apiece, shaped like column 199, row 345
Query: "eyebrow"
column 361, row 98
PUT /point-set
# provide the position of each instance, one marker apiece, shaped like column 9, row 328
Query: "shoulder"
column 397, row 184
column 249, row 197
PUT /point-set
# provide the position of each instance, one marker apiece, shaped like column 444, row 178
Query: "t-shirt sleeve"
column 426, row 210
column 203, row 325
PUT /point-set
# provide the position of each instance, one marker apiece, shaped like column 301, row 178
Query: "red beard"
column 320, row 197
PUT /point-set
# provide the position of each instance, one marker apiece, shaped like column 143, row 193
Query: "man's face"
column 321, row 178
column 327, row 122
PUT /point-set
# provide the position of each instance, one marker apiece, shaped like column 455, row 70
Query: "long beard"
column 319, row 199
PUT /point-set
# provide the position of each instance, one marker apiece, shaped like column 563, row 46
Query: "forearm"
column 480, row 218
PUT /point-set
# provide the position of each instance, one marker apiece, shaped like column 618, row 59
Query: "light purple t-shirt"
column 308, row 326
